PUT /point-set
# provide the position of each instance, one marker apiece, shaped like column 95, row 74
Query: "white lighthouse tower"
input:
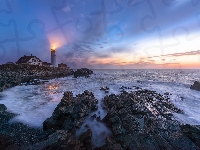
column 53, row 56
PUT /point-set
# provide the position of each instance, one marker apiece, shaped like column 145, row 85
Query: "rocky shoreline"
column 13, row 75
column 195, row 86
column 140, row 119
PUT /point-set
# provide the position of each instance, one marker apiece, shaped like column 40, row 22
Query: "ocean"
column 35, row 103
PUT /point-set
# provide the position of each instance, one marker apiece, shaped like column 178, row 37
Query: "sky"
column 103, row 34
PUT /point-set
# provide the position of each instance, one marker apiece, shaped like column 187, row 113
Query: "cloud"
column 184, row 54
column 178, row 54
column 121, row 49
column 66, row 9
column 175, row 63
column 102, row 56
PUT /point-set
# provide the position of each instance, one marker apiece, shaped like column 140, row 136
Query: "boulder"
column 71, row 111
column 2, row 108
column 195, row 86
column 83, row 72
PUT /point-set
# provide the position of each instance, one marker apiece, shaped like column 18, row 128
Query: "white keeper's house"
column 31, row 60
column 34, row 60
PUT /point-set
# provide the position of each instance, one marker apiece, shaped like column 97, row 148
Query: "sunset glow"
column 83, row 39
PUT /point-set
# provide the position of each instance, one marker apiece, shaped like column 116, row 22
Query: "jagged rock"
column 93, row 116
column 61, row 139
column 166, row 93
column 2, row 108
column 143, row 120
column 82, row 72
column 138, row 120
column 85, row 138
column 192, row 132
column 71, row 111
column 104, row 88
column 195, row 86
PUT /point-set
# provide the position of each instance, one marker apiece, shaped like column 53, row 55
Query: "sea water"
column 35, row 103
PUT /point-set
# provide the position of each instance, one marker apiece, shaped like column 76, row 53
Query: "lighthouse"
column 53, row 56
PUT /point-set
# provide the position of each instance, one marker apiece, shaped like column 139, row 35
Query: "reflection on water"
column 53, row 87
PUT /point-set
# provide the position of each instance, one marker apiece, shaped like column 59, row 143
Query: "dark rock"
column 85, row 138
column 195, row 86
column 138, row 120
column 99, row 119
column 192, row 132
column 2, row 108
column 7, row 142
column 82, row 72
column 105, row 89
column 93, row 116
column 137, row 88
column 109, row 144
column 166, row 93
column 143, row 120
column 62, row 139
column 71, row 111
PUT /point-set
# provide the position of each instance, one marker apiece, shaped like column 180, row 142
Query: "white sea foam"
column 35, row 103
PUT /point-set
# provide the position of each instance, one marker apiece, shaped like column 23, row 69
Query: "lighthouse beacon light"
column 53, row 48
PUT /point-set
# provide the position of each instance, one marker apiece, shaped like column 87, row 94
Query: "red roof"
column 25, row 59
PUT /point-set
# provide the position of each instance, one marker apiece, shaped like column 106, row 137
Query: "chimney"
column 31, row 54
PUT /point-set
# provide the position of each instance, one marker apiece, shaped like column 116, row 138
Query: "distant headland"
column 30, row 70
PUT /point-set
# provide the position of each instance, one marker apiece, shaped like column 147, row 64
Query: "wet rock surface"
column 105, row 89
column 138, row 120
column 143, row 120
column 192, row 132
column 71, row 111
column 2, row 108
column 83, row 72
column 195, row 86
column 62, row 139
column 58, row 130
column 66, row 118
column 15, row 135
